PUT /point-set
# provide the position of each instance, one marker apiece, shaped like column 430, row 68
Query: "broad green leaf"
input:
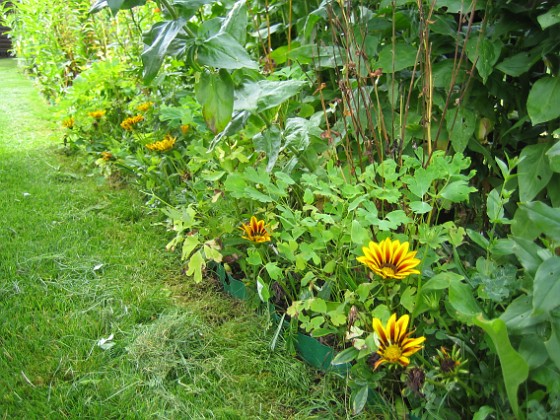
column 358, row 234
column 534, row 170
column 515, row 370
column 189, row 245
column 533, row 350
column 159, row 37
column 478, row 239
column 359, row 399
column 236, row 21
column 274, row 271
column 457, row 191
column 402, row 56
column 553, row 155
column 115, row 5
column 458, row 6
column 519, row 317
column 527, row 252
column 254, row 257
column 298, row 133
column 318, row 305
column 408, row 298
column 265, row 94
column 483, row 412
column 461, row 124
column 544, row 218
column 225, row 52
column 195, row 266
column 187, row 8
column 520, row 63
column 214, row 91
column 442, row 281
column 553, row 343
column 462, row 301
column 420, row 207
column 485, row 53
column 550, row 18
column 420, row 183
column 263, row 289
column 546, row 286
column 345, row 356
column 269, row 142
column 543, row 102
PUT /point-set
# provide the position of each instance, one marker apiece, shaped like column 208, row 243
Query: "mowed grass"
column 96, row 320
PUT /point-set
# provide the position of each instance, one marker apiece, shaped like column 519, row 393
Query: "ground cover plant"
column 88, row 326
column 383, row 174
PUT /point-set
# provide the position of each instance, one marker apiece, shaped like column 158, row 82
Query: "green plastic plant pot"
column 318, row 355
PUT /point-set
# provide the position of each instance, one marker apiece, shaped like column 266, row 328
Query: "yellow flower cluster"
column 164, row 145
column 97, row 114
column 144, row 106
column 68, row 122
column 129, row 123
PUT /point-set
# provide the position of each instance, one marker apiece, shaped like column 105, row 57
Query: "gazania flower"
column 164, row 145
column 390, row 259
column 68, row 122
column 106, row 156
column 97, row 114
column 395, row 345
column 255, row 231
column 129, row 123
column 185, row 128
column 143, row 107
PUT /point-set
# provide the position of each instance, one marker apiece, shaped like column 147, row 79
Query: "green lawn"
column 81, row 261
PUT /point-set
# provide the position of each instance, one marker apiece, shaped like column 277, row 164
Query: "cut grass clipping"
column 90, row 326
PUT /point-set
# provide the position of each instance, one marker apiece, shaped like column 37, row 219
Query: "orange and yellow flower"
column 68, row 122
column 164, row 145
column 143, row 107
column 394, row 343
column 97, row 114
column 255, row 231
column 390, row 259
column 129, row 123
column 185, row 128
column 106, row 156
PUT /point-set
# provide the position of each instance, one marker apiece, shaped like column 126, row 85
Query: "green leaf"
column 359, row 399
column 263, row 290
column 519, row 317
column 520, row 63
column 515, row 370
column 195, row 266
column 461, row 124
column 533, row 350
column 269, row 142
column 408, row 298
column 553, row 155
column 214, row 91
column 318, row 305
column 188, row 8
column 442, row 281
column 254, row 257
column 400, row 57
column 115, row 5
column 527, row 252
column 457, row 191
column 189, row 245
column 264, row 94
column 550, row 18
column 485, row 53
column 534, row 171
column 274, row 271
column 358, row 234
column 345, row 356
column 158, row 39
column 224, row 51
column 553, row 343
column 546, row 286
column 462, row 301
column 545, row 219
column 495, row 207
column 236, row 21
column 543, row 102
column 420, row 207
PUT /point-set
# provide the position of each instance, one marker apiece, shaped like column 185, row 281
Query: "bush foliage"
column 338, row 124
